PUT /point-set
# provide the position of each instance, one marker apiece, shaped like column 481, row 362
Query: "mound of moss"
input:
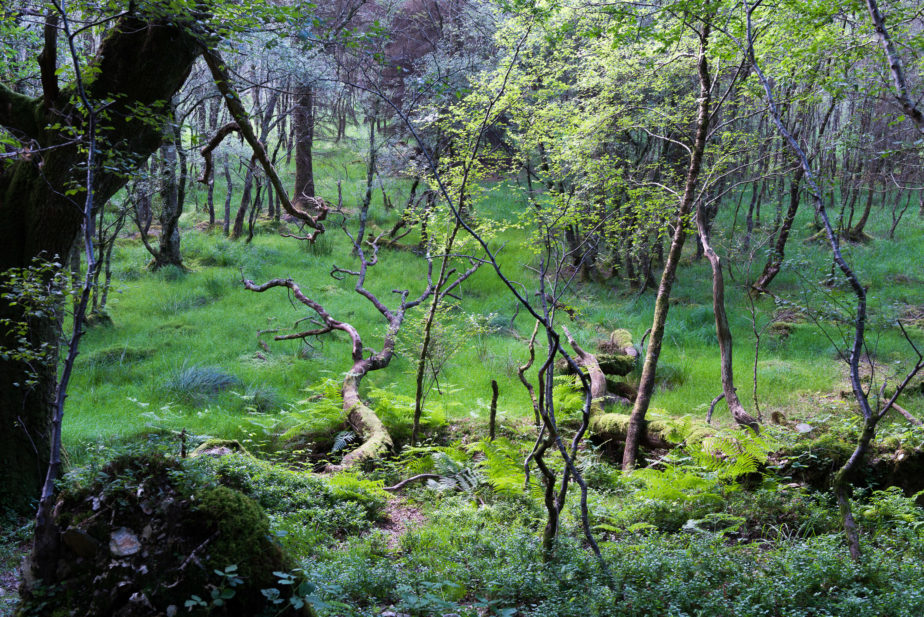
column 145, row 536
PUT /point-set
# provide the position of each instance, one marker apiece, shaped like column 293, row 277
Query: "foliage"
column 305, row 511
column 40, row 292
column 732, row 454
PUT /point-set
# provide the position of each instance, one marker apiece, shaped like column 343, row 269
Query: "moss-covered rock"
column 616, row 364
column 814, row 461
column 219, row 447
column 144, row 535
column 621, row 338
column 240, row 530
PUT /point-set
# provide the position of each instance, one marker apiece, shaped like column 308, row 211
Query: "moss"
column 814, row 461
column 616, row 364
column 621, row 338
column 659, row 433
column 242, row 530
column 781, row 329
column 119, row 354
column 610, row 424
column 186, row 527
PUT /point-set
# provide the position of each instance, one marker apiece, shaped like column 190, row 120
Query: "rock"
column 79, row 541
column 123, row 543
column 622, row 339
column 804, row 428
column 219, row 447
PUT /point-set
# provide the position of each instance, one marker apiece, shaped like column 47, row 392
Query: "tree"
column 142, row 62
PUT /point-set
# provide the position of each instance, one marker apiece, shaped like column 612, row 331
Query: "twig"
column 715, row 402
column 403, row 483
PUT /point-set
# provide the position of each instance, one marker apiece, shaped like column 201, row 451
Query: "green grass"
column 169, row 321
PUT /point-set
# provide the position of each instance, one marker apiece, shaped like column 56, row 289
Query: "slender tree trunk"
column 168, row 253
column 226, row 223
column 857, row 233
column 778, row 254
column 245, row 201
column 636, row 427
column 428, row 326
column 722, row 330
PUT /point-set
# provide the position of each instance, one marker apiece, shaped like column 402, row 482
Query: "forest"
column 462, row 308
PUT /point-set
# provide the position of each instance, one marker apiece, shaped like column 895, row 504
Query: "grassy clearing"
column 169, row 322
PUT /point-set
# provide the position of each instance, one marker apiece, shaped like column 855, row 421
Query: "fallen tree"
column 374, row 436
column 613, row 427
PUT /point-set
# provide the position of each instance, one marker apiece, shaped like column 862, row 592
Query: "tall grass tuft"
column 196, row 385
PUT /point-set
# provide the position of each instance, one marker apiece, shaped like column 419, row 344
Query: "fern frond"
column 342, row 440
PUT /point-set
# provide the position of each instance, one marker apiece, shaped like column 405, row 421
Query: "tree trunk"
column 304, row 143
column 775, row 261
column 141, row 62
column 723, row 332
column 662, row 302
column 245, row 201
column 168, row 253
column 841, row 486
column 229, row 186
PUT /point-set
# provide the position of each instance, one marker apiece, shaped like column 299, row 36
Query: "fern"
column 732, row 454
column 342, row 440
column 320, row 411
column 453, row 475
column 675, row 484
column 502, row 464
column 567, row 394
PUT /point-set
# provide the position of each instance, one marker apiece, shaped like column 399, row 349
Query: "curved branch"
column 19, row 113
column 207, row 176
column 417, row 478
column 233, row 101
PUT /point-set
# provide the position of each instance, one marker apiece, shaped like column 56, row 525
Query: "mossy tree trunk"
column 141, row 64
column 303, row 127
column 172, row 197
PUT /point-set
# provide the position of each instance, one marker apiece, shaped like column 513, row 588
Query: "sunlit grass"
column 169, row 320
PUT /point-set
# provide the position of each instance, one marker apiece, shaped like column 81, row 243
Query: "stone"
column 123, row 543
column 79, row 541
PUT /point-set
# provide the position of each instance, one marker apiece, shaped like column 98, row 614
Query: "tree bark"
column 775, row 261
column 168, row 253
column 304, row 143
column 722, row 330
column 142, row 63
